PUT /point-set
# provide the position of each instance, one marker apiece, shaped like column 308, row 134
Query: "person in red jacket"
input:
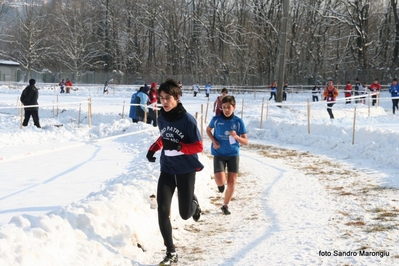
column 152, row 102
column 330, row 94
column 375, row 88
column 348, row 92
column 68, row 86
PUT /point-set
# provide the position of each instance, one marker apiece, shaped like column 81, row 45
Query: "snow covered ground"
column 75, row 195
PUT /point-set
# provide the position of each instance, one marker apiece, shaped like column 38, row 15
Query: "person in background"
column 358, row 87
column 348, row 92
column 62, row 86
column 181, row 87
column 105, row 90
column 394, row 90
column 315, row 93
column 142, row 101
column 229, row 132
column 132, row 112
column 217, row 105
column 180, row 142
column 29, row 96
column 152, row 101
column 285, row 88
column 330, row 94
column 207, row 89
column 375, row 88
column 273, row 90
column 196, row 89
column 68, row 85
column 362, row 93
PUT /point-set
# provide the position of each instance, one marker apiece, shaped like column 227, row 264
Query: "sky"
column 309, row 192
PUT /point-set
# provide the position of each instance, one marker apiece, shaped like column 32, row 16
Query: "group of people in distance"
column 273, row 91
column 197, row 88
column 330, row 93
column 65, row 86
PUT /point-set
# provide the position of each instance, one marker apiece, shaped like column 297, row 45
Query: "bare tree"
column 27, row 39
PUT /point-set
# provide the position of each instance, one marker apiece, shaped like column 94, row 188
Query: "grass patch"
column 356, row 223
column 380, row 228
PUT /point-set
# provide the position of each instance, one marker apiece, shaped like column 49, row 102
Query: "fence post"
column 308, row 109
column 206, row 111
column 22, row 114
column 267, row 109
column 89, row 112
column 369, row 104
column 123, row 109
column 354, row 127
column 80, row 109
column 242, row 108
column 202, row 120
column 261, row 112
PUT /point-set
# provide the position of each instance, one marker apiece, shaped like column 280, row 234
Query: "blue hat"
column 32, row 82
column 145, row 88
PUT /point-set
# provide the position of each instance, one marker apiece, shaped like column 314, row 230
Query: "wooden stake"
column 80, row 109
column 354, row 127
column 123, row 109
column 242, row 108
column 89, row 113
column 308, row 109
column 206, row 111
column 261, row 113
column 202, row 121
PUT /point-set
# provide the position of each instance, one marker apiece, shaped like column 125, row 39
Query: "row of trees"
column 223, row 41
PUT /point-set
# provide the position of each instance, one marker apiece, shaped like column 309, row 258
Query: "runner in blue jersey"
column 229, row 132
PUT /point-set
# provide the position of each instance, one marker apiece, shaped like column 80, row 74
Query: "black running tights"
column 167, row 184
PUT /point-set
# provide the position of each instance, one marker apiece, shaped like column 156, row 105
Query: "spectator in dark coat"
column 29, row 96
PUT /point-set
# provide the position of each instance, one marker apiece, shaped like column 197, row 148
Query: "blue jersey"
column 132, row 112
column 221, row 132
column 394, row 90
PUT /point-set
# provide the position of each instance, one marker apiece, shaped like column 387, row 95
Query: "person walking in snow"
column 180, row 142
column 315, row 93
column 152, row 102
column 217, row 105
column 29, row 96
column 181, row 87
column 375, row 88
column 141, row 101
column 132, row 111
column 106, row 88
column 196, row 89
column 348, row 92
column 394, row 90
column 207, row 89
column 62, row 86
column 285, row 89
column 273, row 90
column 229, row 132
column 330, row 94
column 362, row 92
column 68, row 85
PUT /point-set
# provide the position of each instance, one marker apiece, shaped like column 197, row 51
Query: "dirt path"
column 288, row 207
